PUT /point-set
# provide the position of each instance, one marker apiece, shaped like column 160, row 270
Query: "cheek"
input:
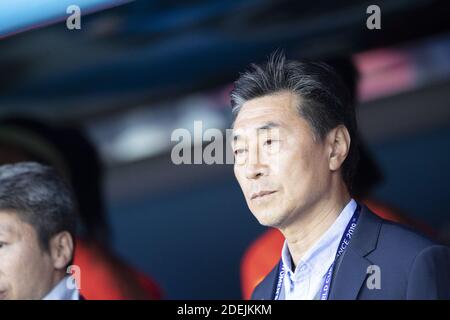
column 236, row 172
column 239, row 174
column 15, row 267
column 301, row 168
column 14, row 259
column 25, row 268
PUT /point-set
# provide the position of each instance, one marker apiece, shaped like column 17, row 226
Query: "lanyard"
column 345, row 240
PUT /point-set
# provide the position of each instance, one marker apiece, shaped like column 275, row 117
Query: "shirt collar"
column 320, row 256
column 64, row 290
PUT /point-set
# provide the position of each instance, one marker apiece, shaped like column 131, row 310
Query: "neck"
column 56, row 278
column 310, row 224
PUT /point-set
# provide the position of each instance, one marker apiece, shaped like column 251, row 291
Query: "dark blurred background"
column 138, row 70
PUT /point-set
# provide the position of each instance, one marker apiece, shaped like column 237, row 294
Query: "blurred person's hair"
column 39, row 197
column 325, row 99
column 71, row 154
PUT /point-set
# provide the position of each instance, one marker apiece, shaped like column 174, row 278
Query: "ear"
column 61, row 249
column 339, row 143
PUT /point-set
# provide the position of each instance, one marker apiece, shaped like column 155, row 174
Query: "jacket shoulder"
column 403, row 239
column 399, row 246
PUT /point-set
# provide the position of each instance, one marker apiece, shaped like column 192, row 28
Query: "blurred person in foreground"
column 68, row 150
column 37, row 227
column 295, row 145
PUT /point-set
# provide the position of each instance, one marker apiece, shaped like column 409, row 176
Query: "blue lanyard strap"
column 345, row 240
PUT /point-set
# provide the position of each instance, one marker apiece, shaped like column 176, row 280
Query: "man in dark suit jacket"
column 411, row 266
column 295, row 147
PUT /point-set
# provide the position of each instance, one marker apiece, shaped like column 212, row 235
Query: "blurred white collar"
column 64, row 290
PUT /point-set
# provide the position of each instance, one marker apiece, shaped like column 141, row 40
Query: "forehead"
column 279, row 108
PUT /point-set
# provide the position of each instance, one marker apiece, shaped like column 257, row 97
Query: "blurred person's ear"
column 61, row 250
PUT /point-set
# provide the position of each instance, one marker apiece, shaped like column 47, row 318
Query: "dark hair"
column 326, row 101
column 39, row 197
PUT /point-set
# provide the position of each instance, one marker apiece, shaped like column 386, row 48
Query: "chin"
column 268, row 218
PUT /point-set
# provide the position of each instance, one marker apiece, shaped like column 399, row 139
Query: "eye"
column 2, row 244
column 239, row 151
column 270, row 142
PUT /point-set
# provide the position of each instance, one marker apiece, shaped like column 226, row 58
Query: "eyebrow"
column 267, row 126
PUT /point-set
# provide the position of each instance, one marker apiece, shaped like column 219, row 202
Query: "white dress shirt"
column 307, row 280
column 64, row 290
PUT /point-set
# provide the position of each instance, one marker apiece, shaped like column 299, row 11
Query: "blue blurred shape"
column 20, row 15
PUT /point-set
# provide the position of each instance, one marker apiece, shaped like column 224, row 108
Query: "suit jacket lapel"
column 269, row 284
column 350, row 270
column 266, row 289
column 349, row 277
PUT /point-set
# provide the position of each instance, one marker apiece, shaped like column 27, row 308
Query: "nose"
column 255, row 167
column 255, row 171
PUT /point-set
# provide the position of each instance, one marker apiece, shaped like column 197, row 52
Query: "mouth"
column 2, row 295
column 262, row 194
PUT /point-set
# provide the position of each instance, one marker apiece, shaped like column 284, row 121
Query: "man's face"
column 25, row 269
column 281, row 169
